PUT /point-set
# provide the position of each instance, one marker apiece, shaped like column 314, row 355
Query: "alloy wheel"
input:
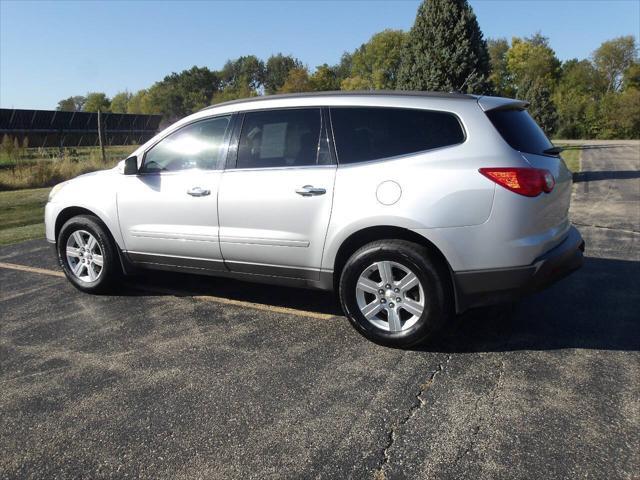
column 390, row 296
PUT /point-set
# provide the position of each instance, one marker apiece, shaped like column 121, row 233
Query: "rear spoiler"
column 501, row 103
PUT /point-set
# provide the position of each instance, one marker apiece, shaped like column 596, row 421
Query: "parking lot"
column 197, row 377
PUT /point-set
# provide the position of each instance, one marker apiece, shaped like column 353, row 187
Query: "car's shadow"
column 596, row 308
column 605, row 175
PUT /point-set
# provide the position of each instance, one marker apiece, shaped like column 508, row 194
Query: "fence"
column 52, row 128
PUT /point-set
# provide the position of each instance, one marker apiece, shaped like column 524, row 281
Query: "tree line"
column 445, row 50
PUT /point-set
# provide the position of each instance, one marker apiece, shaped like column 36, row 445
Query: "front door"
column 168, row 212
column 275, row 200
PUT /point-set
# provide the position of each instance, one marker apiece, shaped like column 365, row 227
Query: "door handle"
column 198, row 192
column 309, row 190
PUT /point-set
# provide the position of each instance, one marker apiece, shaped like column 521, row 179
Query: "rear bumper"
column 486, row 287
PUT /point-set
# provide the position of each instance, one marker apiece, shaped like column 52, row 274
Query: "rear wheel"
column 393, row 293
column 87, row 255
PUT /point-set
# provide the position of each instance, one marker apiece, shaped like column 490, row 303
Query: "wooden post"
column 100, row 140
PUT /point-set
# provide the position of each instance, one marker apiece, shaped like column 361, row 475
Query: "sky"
column 50, row 50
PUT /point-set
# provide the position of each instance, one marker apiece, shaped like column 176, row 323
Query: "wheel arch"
column 70, row 212
column 367, row 235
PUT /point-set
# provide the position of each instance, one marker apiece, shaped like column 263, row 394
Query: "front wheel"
column 87, row 255
column 393, row 293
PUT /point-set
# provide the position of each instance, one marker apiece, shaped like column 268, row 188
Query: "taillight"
column 529, row 182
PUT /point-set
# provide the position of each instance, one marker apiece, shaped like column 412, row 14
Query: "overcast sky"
column 51, row 50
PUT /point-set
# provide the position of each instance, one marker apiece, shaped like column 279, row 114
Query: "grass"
column 572, row 159
column 33, row 155
column 36, row 167
column 22, row 215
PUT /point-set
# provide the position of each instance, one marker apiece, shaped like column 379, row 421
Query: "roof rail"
column 350, row 93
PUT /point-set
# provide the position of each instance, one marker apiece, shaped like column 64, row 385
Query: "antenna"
column 471, row 75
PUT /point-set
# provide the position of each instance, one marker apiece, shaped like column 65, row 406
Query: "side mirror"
column 131, row 166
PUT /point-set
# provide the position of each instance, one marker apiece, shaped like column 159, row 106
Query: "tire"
column 82, row 243
column 392, row 322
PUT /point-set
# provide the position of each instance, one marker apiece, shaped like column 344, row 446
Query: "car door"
column 276, row 194
column 168, row 212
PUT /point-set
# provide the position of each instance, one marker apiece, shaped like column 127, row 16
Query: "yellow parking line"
column 240, row 303
column 24, row 268
column 266, row 308
column 205, row 298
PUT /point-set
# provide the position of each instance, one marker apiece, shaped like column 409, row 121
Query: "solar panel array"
column 52, row 128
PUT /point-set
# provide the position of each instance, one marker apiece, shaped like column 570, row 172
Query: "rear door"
column 276, row 194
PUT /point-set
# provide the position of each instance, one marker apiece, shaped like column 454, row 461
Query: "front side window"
column 280, row 138
column 372, row 133
column 198, row 145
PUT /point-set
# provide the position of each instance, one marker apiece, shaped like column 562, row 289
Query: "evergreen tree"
column 445, row 50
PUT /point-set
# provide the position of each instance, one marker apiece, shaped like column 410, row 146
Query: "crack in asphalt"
column 605, row 228
column 421, row 402
column 476, row 429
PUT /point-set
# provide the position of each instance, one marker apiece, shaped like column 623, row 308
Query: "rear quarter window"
column 519, row 130
column 372, row 133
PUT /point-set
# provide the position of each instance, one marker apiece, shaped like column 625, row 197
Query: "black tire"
column 432, row 277
column 110, row 270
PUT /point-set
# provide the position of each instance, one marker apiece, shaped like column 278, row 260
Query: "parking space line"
column 205, row 298
column 25, row 268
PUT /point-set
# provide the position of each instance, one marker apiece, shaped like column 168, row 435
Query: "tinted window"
column 198, row 145
column 519, row 130
column 279, row 138
column 363, row 134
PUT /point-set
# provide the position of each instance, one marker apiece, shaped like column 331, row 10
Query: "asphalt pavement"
column 195, row 377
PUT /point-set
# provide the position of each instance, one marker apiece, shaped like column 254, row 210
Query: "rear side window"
column 372, row 133
column 279, row 138
column 520, row 130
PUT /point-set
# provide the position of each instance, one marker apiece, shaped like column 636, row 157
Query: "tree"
column 277, row 69
column 140, row 103
column 499, row 77
column 325, row 78
column 376, row 63
column 577, row 97
column 445, row 50
column 534, row 69
column 297, row 81
column 181, row 94
column 620, row 115
column 631, row 77
column 230, row 92
column 120, row 102
column 355, row 82
column 537, row 92
column 343, row 68
column 96, row 101
column 247, row 71
column 531, row 58
column 72, row 104
column 613, row 58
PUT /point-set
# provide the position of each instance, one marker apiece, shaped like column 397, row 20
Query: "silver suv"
column 411, row 205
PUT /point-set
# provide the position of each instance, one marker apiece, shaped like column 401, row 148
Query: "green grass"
column 572, row 159
column 22, row 215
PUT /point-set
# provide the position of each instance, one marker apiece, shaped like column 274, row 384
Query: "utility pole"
column 100, row 139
